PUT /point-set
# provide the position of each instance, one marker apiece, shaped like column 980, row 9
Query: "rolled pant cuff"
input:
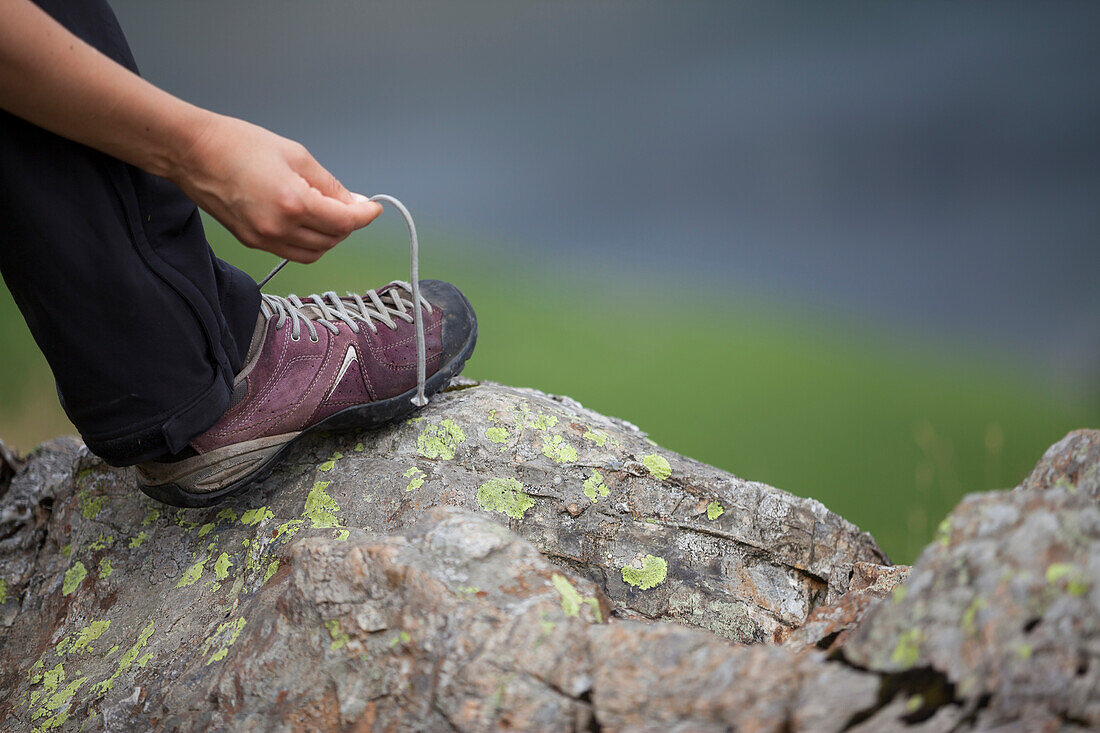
column 169, row 434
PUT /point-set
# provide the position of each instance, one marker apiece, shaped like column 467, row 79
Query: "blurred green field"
column 886, row 431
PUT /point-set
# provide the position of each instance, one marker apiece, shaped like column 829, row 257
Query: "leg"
column 143, row 328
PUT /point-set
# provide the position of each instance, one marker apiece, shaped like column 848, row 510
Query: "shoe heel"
column 204, row 479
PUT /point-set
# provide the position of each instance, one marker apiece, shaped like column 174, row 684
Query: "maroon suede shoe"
column 324, row 363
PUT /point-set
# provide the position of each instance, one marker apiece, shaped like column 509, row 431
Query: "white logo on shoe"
column 349, row 356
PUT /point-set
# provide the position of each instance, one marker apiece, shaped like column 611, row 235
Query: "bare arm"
column 267, row 190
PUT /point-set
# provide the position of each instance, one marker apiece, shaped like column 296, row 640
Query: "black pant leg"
column 143, row 327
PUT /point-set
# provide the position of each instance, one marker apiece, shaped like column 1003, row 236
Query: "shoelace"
column 338, row 308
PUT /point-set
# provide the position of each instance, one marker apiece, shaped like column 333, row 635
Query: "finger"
column 319, row 178
column 328, row 216
column 294, row 254
column 305, row 239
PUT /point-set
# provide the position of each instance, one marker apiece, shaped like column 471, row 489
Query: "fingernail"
column 359, row 198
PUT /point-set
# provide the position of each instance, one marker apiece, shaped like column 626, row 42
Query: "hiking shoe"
column 328, row 363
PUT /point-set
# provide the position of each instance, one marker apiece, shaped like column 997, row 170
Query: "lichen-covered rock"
column 1073, row 463
column 497, row 563
column 828, row 626
column 90, row 564
column 999, row 622
column 416, row 630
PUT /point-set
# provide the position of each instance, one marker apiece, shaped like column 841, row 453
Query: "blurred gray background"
column 931, row 166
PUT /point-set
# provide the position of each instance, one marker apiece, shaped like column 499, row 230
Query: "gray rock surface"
column 1000, row 619
column 1073, row 463
column 510, row 560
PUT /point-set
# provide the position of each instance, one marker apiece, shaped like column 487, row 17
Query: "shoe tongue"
column 311, row 311
column 259, row 335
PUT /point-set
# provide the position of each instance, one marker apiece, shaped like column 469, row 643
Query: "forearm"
column 267, row 190
column 53, row 79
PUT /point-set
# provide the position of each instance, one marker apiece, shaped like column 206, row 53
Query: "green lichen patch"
column 151, row 516
column 66, row 550
column 546, row 626
column 206, row 529
column 943, row 532
column 221, row 566
column 594, row 487
column 341, row 535
column 331, row 462
column 496, row 434
column 255, row 516
column 82, row 641
column 440, row 441
column 715, row 510
column 271, row 569
column 254, row 557
column 907, row 651
column 102, row 542
column 74, row 576
column 129, row 659
column 105, row 568
column 90, row 505
column 339, row 637
column 228, row 632
column 504, row 495
column 3, row 591
column 416, row 478
column 135, row 542
column 544, row 422
column 320, row 508
column 358, row 447
column 181, row 520
column 971, row 614
column 228, row 515
column 193, row 573
column 50, row 678
column 648, row 572
column 557, row 450
column 657, row 466
column 288, row 528
column 571, row 600
column 596, row 437
column 402, row 637
column 55, row 707
column 1070, row 576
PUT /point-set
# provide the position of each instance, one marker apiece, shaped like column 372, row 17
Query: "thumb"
column 318, row 177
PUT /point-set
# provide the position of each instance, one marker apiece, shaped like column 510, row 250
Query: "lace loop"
column 327, row 308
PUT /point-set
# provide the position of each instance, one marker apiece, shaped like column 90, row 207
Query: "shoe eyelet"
column 314, row 339
column 295, row 338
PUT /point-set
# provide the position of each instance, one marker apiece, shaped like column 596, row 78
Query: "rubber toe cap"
column 459, row 321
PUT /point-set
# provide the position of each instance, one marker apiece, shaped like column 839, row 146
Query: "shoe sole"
column 256, row 459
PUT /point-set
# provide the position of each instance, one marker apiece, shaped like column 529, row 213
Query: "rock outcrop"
column 510, row 560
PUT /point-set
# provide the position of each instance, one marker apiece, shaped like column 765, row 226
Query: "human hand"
column 268, row 190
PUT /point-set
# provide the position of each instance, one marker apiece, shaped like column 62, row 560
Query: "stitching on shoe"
column 270, row 387
column 379, row 353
